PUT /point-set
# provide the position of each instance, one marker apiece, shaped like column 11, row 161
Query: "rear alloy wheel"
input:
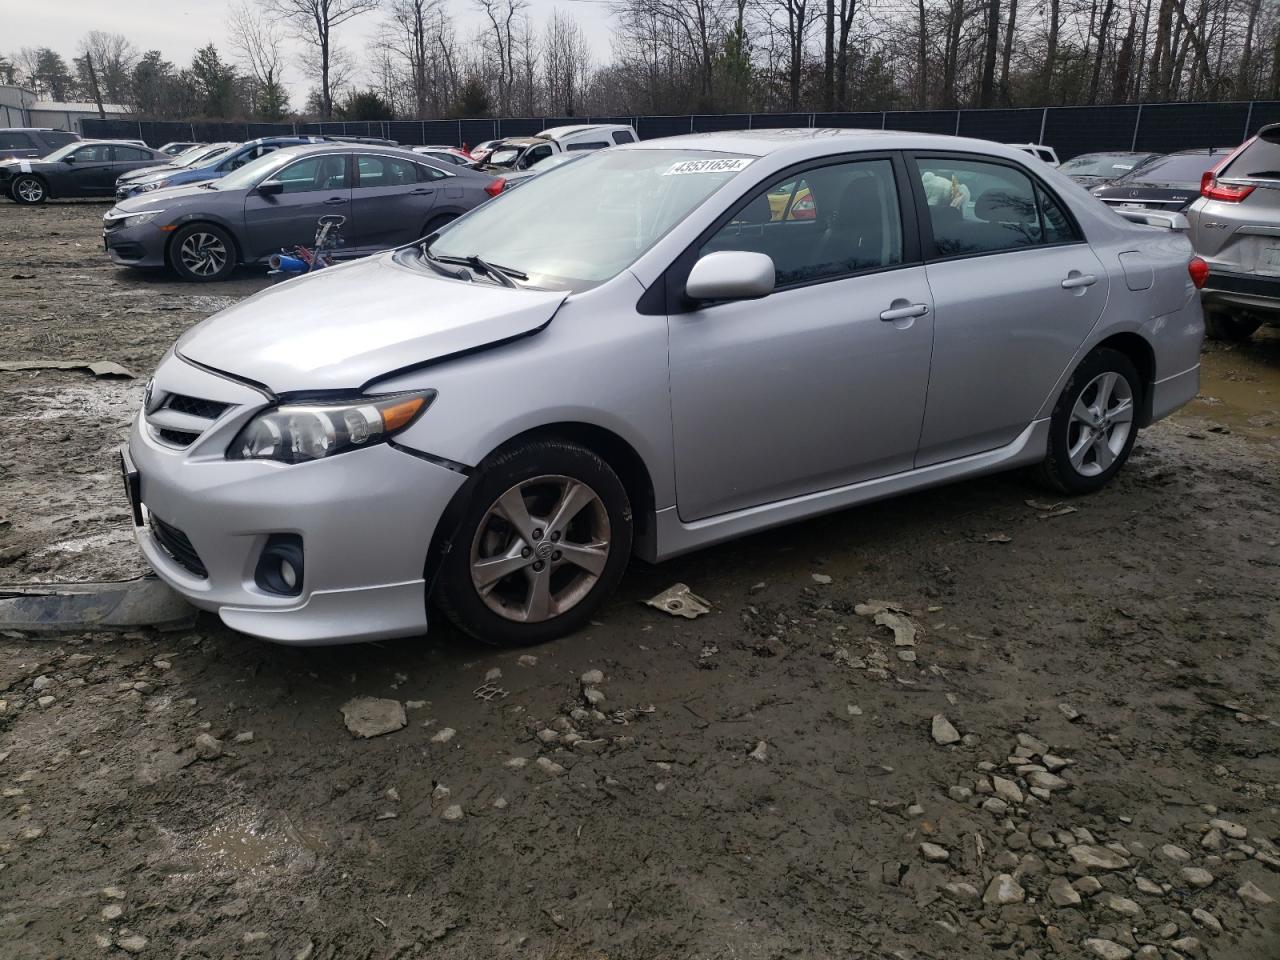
column 29, row 189
column 1094, row 424
column 202, row 253
column 1233, row 328
column 544, row 540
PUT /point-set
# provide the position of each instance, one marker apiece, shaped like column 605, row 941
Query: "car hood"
column 344, row 327
column 158, row 170
column 166, row 197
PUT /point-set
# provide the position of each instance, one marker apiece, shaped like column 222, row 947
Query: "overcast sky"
column 180, row 27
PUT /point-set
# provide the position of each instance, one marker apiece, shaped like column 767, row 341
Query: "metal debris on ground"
column 99, row 368
column 489, row 691
column 93, row 605
column 1048, row 510
column 679, row 601
column 996, row 538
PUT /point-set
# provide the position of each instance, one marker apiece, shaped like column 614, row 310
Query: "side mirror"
column 269, row 188
column 731, row 275
column 69, row 158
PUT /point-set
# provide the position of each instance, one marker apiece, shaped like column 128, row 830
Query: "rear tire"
column 511, row 588
column 202, row 253
column 1093, row 424
column 1231, row 328
column 29, row 190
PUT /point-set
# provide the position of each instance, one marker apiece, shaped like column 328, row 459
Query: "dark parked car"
column 29, row 142
column 1170, row 183
column 179, row 146
column 389, row 197
column 84, row 168
column 1097, row 169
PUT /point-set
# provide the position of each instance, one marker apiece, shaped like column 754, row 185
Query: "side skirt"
column 674, row 537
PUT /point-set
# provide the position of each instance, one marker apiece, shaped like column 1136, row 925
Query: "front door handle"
column 1076, row 279
column 334, row 201
column 905, row 313
column 422, row 192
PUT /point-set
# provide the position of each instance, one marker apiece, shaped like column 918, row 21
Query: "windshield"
column 505, row 156
column 1175, row 168
column 1109, row 165
column 186, row 156
column 585, row 222
column 254, row 171
column 63, row 151
column 1260, row 158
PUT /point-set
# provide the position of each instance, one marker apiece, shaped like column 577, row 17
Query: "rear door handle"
column 905, row 313
column 334, row 201
column 1075, row 280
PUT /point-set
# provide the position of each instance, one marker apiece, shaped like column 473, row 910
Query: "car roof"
column 40, row 130
column 521, row 141
column 555, row 133
column 305, row 149
column 802, row 140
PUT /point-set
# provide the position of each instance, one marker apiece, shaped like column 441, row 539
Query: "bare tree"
column 259, row 42
column 113, row 58
column 313, row 23
column 408, row 35
column 566, row 56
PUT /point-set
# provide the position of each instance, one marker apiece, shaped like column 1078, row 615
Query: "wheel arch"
column 1143, row 356
column 49, row 193
column 620, row 455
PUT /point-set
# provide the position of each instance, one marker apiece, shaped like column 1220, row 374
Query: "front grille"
column 196, row 407
column 179, row 438
column 175, row 543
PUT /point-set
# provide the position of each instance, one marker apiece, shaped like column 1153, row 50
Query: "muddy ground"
column 758, row 782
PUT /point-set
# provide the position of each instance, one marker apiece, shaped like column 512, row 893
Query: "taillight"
column 1199, row 271
column 1228, row 192
column 494, row 187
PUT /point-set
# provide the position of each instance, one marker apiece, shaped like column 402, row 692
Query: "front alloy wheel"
column 29, row 189
column 543, row 538
column 202, row 252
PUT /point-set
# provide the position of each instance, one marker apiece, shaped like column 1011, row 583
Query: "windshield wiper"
column 498, row 272
column 436, row 264
column 1265, row 174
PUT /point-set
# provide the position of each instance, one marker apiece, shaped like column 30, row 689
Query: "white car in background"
column 1039, row 151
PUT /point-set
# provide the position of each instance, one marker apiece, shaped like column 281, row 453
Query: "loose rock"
column 1107, row 949
column 208, row 747
column 935, row 853
column 1254, row 895
column 1003, row 890
column 373, row 716
column 1062, row 894
column 1197, row 876
column 943, row 732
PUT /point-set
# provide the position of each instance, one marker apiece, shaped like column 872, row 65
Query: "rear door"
column 313, row 187
column 1016, row 290
column 16, row 143
column 391, row 201
column 125, row 159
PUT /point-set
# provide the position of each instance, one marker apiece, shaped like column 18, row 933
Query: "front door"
column 91, row 172
column 391, row 202
column 1016, row 291
column 314, row 186
column 823, row 382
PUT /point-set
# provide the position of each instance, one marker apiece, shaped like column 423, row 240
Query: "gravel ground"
column 961, row 724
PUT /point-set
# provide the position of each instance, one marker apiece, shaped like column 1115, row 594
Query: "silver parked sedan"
column 652, row 349
column 202, row 231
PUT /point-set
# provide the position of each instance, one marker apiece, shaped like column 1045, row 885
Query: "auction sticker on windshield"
column 731, row 165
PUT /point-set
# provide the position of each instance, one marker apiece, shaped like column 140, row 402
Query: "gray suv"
column 1235, row 227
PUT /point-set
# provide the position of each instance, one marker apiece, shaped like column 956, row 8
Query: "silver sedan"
column 655, row 348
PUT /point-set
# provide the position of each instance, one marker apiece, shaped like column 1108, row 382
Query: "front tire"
column 1094, row 424
column 543, row 540
column 1232, row 328
column 202, row 253
column 29, row 190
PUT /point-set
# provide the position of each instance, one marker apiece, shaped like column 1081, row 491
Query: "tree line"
column 681, row 56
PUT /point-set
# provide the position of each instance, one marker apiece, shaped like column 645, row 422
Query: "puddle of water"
column 1240, row 386
column 243, row 844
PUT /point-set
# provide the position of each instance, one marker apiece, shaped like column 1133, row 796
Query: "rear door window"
column 13, row 140
column 623, row 136
column 385, row 172
column 129, row 154
column 325, row 172
column 1260, row 159
column 975, row 207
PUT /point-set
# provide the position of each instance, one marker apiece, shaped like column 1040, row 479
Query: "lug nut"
column 537, row 534
column 526, row 553
column 538, row 565
column 556, row 555
column 555, row 537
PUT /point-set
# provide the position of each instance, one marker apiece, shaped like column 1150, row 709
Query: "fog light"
column 280, row 567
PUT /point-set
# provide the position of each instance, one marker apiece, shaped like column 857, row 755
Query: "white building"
column 20, row 108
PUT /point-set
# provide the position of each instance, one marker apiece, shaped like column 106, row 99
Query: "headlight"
column 138, row 219
column 298, row 433
column 156, row 185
